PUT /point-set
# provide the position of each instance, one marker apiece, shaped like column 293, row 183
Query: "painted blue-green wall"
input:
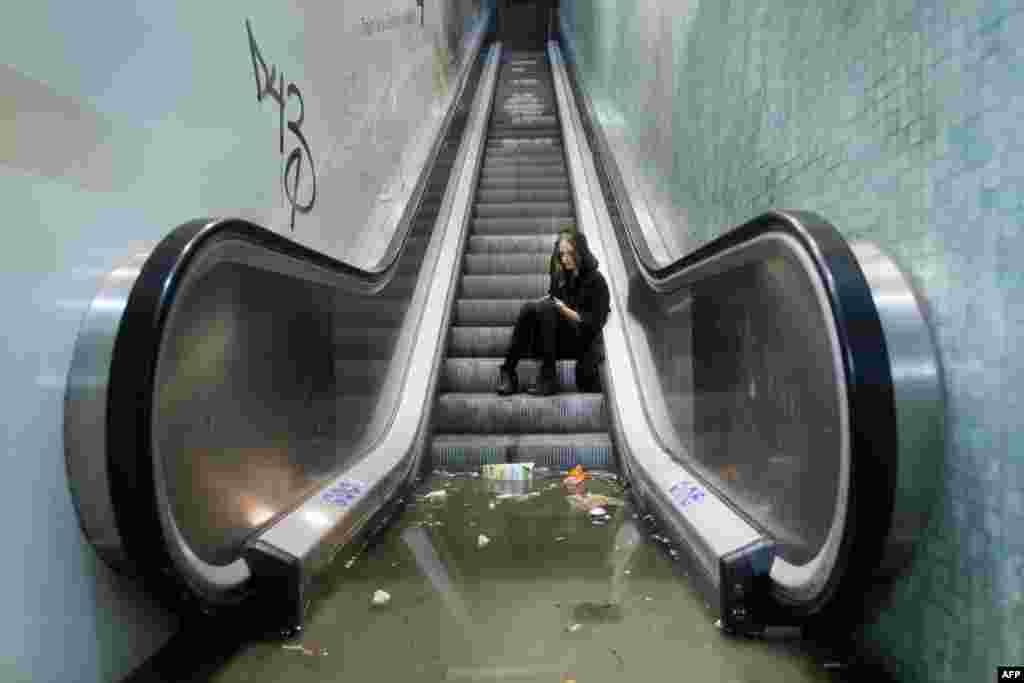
column 901, row 122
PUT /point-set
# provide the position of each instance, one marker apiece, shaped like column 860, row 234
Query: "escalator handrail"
column 874, row 431
column 113, row 379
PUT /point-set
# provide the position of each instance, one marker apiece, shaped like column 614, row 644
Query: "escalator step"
column 524, row 171
column 478, row 342
column 496, row 163
column 531, row 286
column 535, row 225
column 563, row 413
column 482, row 312
column 525, row 183
column 489, row 196
column 516, row 210
column 456, row 451
column 511, row 244
column 505, row 264
column 480, row 375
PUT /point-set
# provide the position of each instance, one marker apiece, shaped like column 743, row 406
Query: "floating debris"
column 490, row 505
column 572, row 628
column 381, row 598
column 559, row 539
column 508, row 471
column 597, row 612
column 598, row 512
column 647, row 598
column 587, row 502
column 440, row 494
column 309, row 652
column 482, row 541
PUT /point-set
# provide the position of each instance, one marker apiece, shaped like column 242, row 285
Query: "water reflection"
column 552, row 597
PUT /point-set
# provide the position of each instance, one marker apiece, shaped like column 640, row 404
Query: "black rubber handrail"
column 865, row 356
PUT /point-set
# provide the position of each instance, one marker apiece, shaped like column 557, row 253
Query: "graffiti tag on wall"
column 272, row 85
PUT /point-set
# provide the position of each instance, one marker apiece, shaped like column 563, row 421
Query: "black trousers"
column 541, row 332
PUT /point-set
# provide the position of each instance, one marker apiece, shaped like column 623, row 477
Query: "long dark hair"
column 585, row 261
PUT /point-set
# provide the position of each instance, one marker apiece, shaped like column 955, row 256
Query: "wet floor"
column 515, row 581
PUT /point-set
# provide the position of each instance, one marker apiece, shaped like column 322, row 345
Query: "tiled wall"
column 902, row 122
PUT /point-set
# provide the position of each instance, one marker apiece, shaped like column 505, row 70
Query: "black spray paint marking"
column 273, row 84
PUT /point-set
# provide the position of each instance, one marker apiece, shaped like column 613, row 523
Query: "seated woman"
column 565, row 324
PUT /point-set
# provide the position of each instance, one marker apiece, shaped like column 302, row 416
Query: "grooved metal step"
column 525, row 183
column 524, row 171
column 480, row 375
column 529, row 225
column 457, row 451
column 505, row 264
column 527, row 286
column 492, row 244
column 564, row 413
column 482, row 312
column 522, row 209
column 486, row 342
column 499, row 196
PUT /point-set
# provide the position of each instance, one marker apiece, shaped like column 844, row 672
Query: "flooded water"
column 515, row 581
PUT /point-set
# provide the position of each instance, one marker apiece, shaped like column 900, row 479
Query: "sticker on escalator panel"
column 343, row 493
column 686, row 493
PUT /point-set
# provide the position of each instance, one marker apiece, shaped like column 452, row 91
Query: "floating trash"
column 587, row 502
column 572, row 628
column 308, row 651
column 559, row 539
column 381, row 598
column 597, row 612
column 575, row 481
column 598, row 512
column 490, row 505
column 515, row 471
column 482, row 541
column 440, row 494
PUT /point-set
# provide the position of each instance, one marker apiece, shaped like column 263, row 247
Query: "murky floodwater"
column 514, row 581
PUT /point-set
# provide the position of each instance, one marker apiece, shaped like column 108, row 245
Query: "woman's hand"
column 565, row 311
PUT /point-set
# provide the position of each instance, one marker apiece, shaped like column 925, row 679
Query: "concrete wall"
column 899, row 121
column 118, row 122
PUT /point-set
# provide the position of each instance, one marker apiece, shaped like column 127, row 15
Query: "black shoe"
column 547, row 385
column 508, row 382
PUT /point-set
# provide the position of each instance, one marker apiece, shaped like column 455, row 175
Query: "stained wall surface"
column 900, row 122
column 120, row 121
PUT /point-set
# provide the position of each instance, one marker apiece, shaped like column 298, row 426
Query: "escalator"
column 522, row 201
column 269, row 437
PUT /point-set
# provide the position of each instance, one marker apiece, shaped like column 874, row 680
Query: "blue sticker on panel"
column 685, row 493
column 343, row 493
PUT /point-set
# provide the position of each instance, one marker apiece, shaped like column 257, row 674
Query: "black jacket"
column 586, row 293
